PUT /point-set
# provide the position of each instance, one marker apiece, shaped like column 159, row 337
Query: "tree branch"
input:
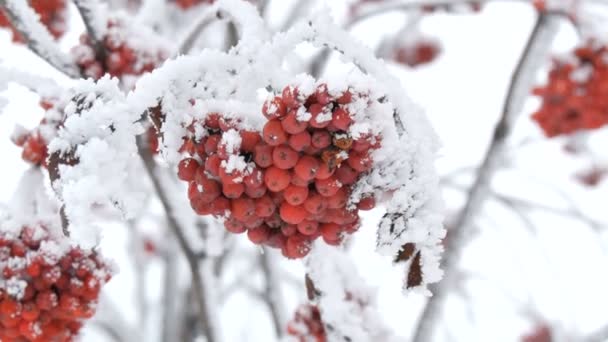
column 457, row 236
column 191, row 256
column 27, row 22
column 89, row 11
column 272, row 293
column 209, row 16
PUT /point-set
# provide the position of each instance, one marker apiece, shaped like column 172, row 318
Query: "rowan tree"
column 200, row 168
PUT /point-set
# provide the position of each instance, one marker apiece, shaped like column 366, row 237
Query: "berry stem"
column 37, row 37
column 191, row 256
column 480, row 190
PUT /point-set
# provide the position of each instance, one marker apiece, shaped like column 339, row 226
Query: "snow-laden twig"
column 92, row 143
column 521, row 82
column 38, row 84
column 347, row 305
column 191, row 256
column 27, row 22
column 244, row 15
column 94, row 16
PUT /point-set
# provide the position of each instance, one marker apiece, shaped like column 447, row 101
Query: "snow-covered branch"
column 39, row 40
column 347, row 305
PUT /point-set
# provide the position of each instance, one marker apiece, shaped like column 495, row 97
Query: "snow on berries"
column 52, row 15
column 576, row 95
column 307, row 325
column 127, row 51
column 291, row 183
column 34, row 142
column 48, row 288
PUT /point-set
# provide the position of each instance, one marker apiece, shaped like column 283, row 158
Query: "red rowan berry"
column 307, row 167
column 292, row 214
column 295, row 195
column 259, row 235
column 264, row 207
column 242, row 208
column 308, row 227
column 284, row 157
column 233, row 190
column 187, row 168
column 273, row 133
column 292, row 125
column 274, row 109
column 276, row 179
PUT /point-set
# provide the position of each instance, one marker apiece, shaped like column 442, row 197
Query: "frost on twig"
column 92, row 143
column 27, row 22
column 347, row 305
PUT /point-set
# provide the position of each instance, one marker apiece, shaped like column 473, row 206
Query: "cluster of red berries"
column 186, row 4
column 540, row 334
column 119, row 59
column 34, row 143
column 420, row 52
column 52, row 15
column 576, row 96
column 47, row 290
column 307, row 325
column 289, row 185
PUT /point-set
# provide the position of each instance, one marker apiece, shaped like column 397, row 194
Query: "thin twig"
column 87, row 10
column 454, row 245
column 37, row 37
column 209, row 16
column 191, row 256
column 168, row 332
column 521, row 203
column 272, row 293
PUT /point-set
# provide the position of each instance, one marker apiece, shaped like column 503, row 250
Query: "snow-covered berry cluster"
column 34, row 142
column 122, row 54
column 292, row 183
column 576, row 95
column 52, row 15
column 307, row 325
column 47, row 288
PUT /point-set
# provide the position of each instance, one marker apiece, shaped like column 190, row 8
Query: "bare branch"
column 27, row 22
column 272, row 292
column 520, row 82
column 191, row 256
column 170, row 316
column 209, row 16
column 598, row 336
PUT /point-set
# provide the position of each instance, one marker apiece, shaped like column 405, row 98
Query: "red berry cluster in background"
column 420, row 52
column 576, row 95
column 34, row 143
column 186, row 4
column 307, row 325
column 289, row 185
column 540, row 334
column 119, row 58
column 47, row 290
column 52, row 15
